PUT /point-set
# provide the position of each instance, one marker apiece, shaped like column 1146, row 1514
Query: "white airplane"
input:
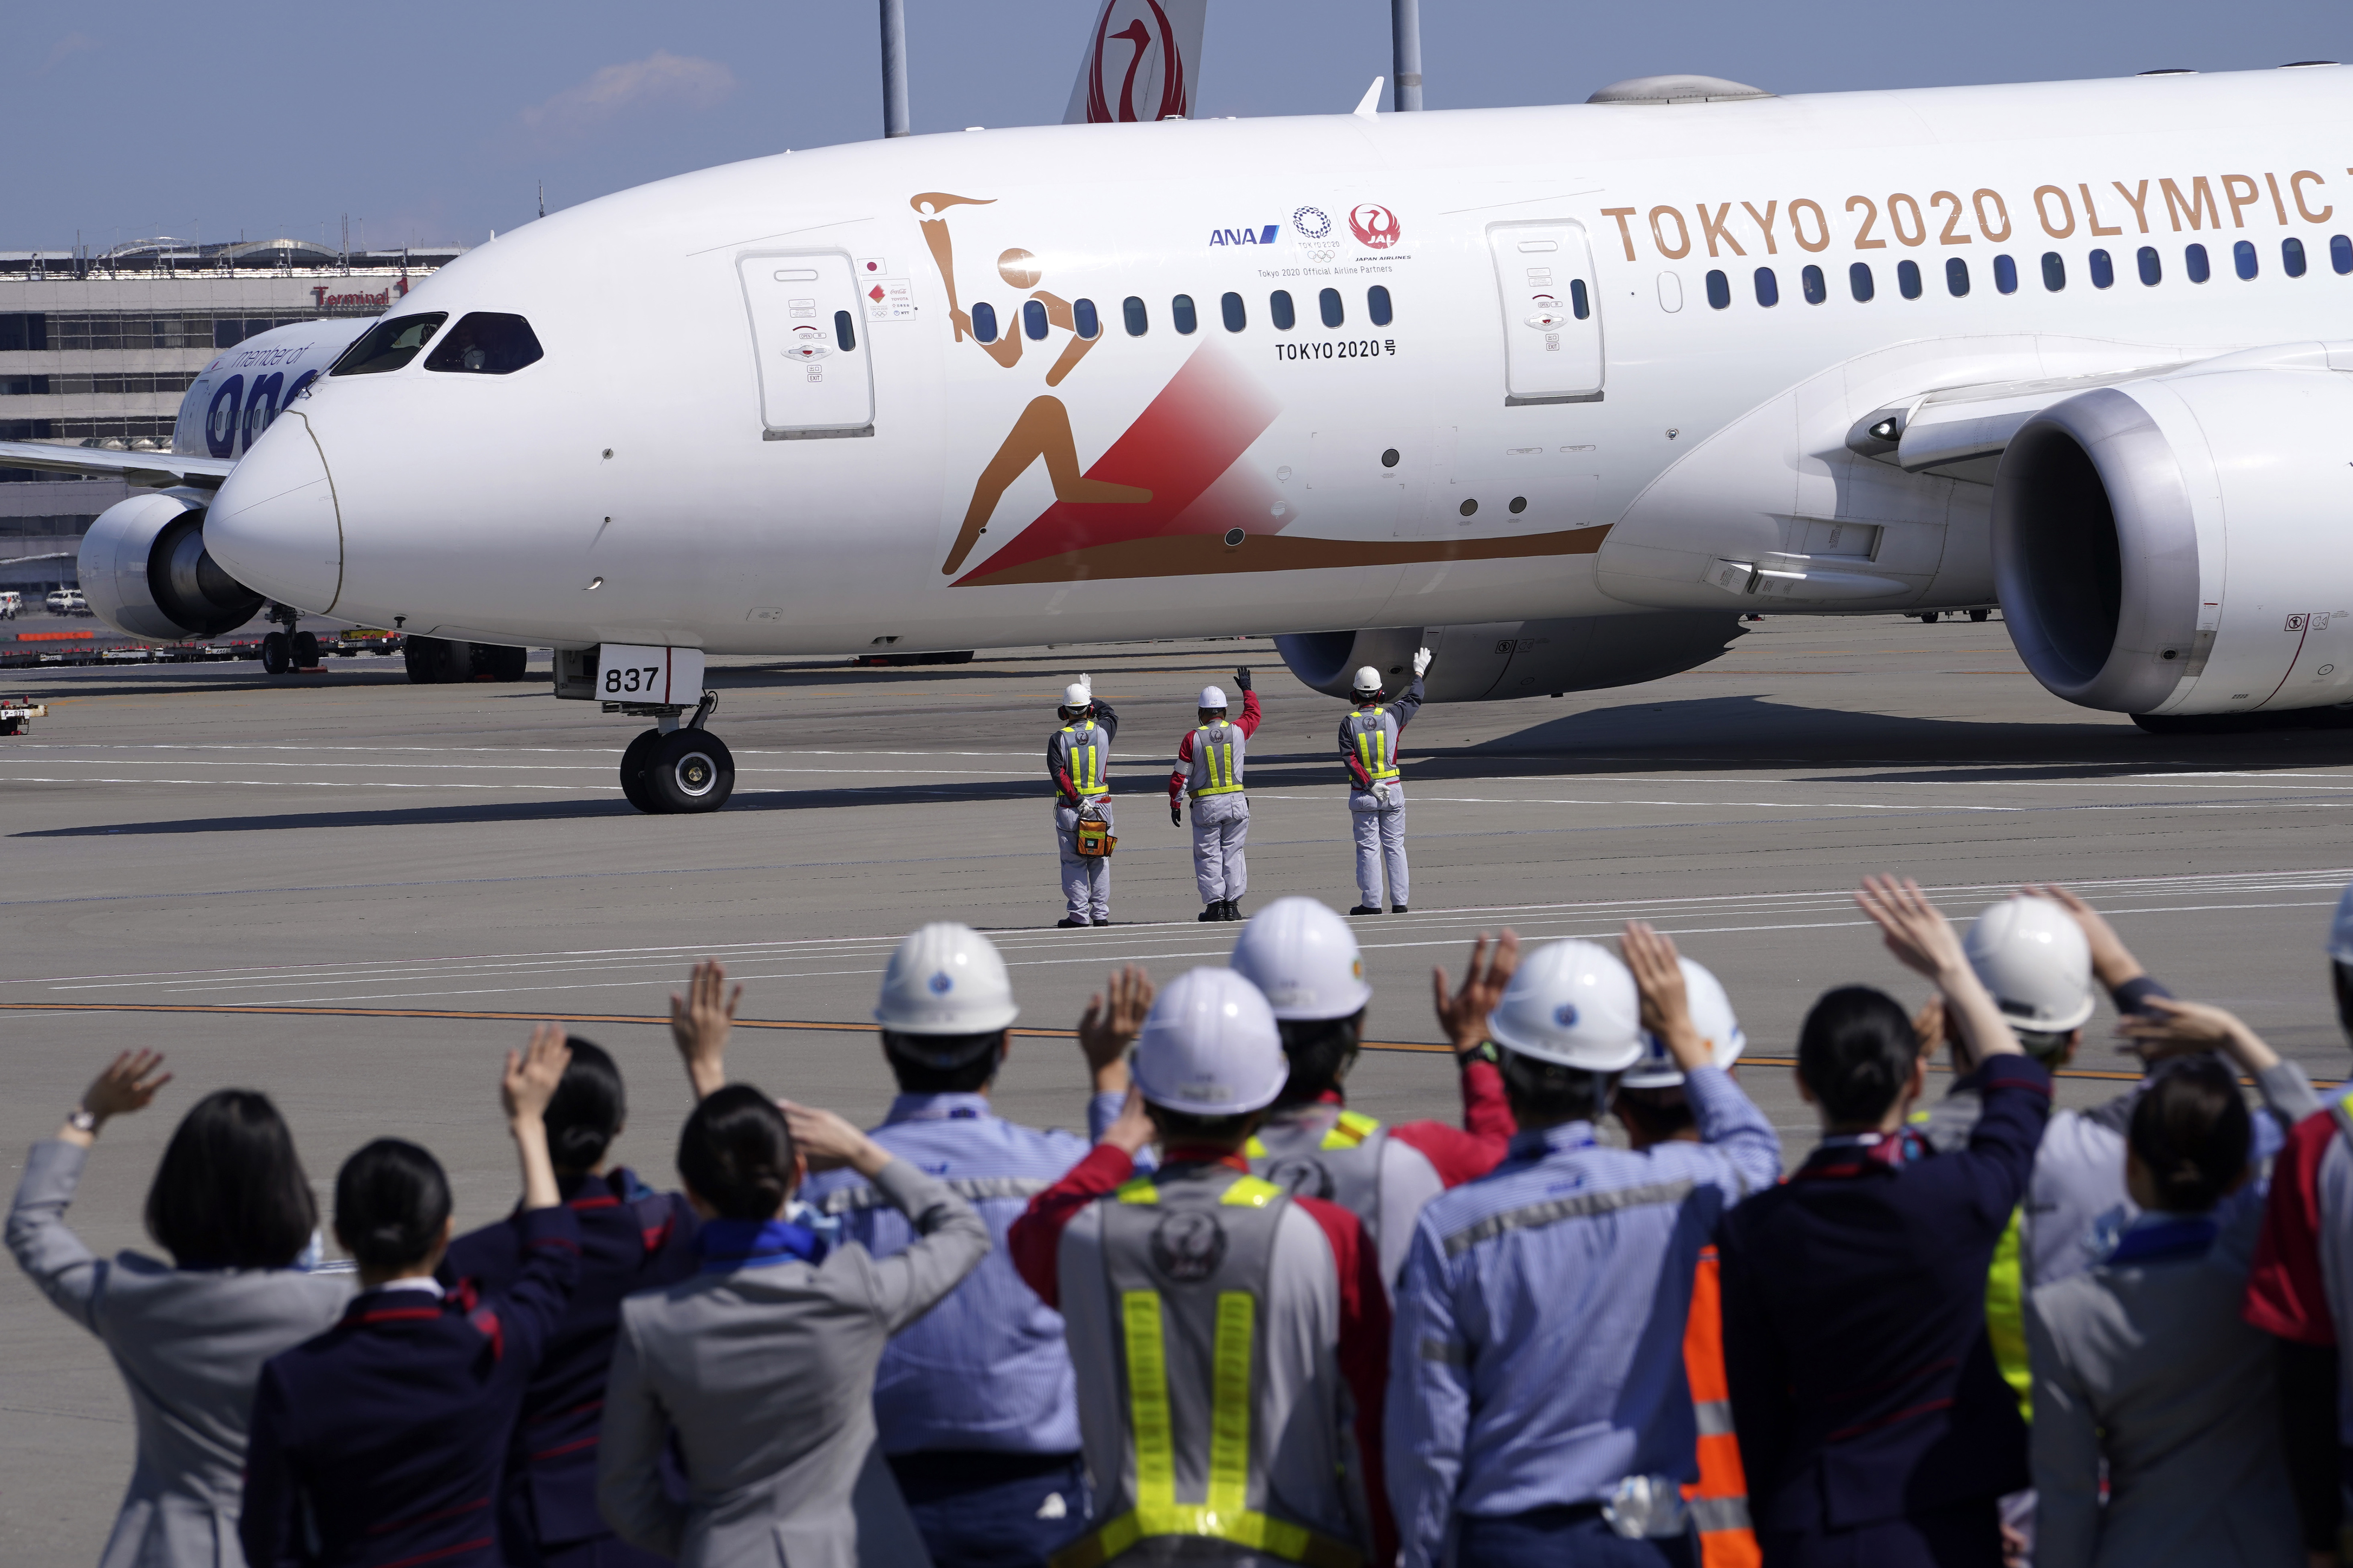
column 1568, row 389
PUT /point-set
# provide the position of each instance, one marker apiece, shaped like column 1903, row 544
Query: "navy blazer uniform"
column 632, row 1238
column 380, row 1443
column 1863, row 1387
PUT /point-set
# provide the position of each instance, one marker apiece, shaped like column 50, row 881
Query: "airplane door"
column 809, row 335
column 1552, row 322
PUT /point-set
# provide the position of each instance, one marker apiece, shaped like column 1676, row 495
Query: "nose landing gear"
column 677, row 767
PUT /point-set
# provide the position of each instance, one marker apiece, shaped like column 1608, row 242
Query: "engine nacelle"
column 1514, row 659
column 145, row 571
column 2178, row 546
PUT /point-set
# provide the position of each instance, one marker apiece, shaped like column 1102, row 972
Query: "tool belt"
column 1093, row 834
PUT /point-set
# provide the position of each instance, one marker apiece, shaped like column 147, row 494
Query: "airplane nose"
column 274, row 524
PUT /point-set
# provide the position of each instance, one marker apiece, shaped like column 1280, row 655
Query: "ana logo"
column 1376, row 227
column 1313, row 223
column 1565, row 1015
column 940, row 983
column 1263, row 234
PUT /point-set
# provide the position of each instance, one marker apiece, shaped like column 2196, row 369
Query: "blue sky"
column 436, row 121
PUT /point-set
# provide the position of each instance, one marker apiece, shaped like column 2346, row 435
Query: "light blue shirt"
column 1538, row 1352
column 987, row 1368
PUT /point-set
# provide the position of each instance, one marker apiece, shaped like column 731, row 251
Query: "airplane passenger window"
column 2005, row 274
column 1377, row 302
column 1033, row 320
column 2193, row 261
column 2242, row 257
column 1279, row 311
column 2292, row 257
column 1768, row 287
column 984, row 322
column 389, row 345
column 1327, row 304
column 1083, row 314
column 1231, row 306
column 1719, row 290
column 2152, row 270
column 2054, row 271
column 1579, row 305
column 845, row 332
column 1907, row 279
column 1138, row 322
column 1858, row 279
column 2103, row 269
column 1816, row 289
column 1180, row 310
column 2340, row 253
column 1957, row 276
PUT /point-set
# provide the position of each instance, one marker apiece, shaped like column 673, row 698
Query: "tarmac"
column 355, row 893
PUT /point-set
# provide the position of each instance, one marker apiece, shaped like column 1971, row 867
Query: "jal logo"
column 940, row 983
column 1374, row 227
column 1136, row 70
column 1263, row 235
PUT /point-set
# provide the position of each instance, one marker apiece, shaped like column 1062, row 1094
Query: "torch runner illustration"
column 1043, row 429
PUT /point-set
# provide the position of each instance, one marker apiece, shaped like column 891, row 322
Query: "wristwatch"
column 1484, row 1051
column 81, row 1120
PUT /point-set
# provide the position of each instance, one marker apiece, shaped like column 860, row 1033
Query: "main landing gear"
column 289, row 651
column 678, row 765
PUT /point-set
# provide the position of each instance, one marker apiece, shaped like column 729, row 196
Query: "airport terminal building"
column 100, row 349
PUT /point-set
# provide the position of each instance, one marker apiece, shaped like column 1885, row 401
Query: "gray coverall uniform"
column 1078, row 759
column 1220, row 809
column 1368, row 745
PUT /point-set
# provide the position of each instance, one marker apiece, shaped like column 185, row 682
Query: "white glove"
column 1087, row 684
column 1421, row 657
column 1381, row 795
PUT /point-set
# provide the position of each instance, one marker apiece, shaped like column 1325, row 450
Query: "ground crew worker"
column 1368, row 745
column 1231, row 1339
column 1304, row 959
column 1653, row 1107
column 975, row 1404
column 1536, row 1416
column 1209, row 764
column 2300, row 1290
column 1078, row 760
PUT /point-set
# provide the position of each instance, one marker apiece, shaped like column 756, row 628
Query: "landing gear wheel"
column 275, row 657
column 633, row 772
column 1930, row 617
column 690, row 770
column 496, row 661
column 428, row 659
column 1980, row 614
column 304, row 646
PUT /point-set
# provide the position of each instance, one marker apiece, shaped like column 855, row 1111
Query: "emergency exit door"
column 808, row 336
column 1552, row 312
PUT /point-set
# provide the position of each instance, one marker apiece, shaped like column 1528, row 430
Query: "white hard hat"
column 2037, row 962
column 945, row 979
column 1209, row 1047
column 1077, row 694
column 2340, row 930
column 1368, row 678
column 1711, row 1014
column 1572, row 1003
column 1211, row 697
column 1304, row 959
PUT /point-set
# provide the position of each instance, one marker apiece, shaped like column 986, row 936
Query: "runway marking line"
column 648, row 1020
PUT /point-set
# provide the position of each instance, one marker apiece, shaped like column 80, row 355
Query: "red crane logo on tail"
column 1153, row 60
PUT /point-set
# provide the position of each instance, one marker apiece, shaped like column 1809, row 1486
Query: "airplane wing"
column 1143, row 61
column 138, row 467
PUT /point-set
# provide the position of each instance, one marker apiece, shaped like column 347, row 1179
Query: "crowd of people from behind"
column 1598, row 1322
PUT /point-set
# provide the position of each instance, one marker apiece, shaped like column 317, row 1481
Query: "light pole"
column 1405, row 34
column 896, row 122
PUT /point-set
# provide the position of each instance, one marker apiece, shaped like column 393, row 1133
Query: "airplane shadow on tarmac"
column 1716, row 734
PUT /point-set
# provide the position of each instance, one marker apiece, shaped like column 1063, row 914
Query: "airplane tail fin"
column 1141, row 62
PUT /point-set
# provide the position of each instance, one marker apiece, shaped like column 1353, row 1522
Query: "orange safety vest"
column 1719, row 1501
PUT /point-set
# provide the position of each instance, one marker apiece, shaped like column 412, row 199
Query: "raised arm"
column 529, row 1309
column 68, row 1273
column 951, row 1237
column 1922, row 939
column 699, row 1024
column 2167, row 1026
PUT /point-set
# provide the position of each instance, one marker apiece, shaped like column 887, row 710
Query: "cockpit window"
column 486, row 344
column 389, row 345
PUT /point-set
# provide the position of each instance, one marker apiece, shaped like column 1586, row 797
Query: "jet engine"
column 2116, row 512
column 1515, row 658
column 145, row 571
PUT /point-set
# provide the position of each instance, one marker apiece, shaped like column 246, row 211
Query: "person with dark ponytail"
column 382, row 1439
column 232, row 1206
column 2148, row 1382
column 760, row 1369
column 632, row 1238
